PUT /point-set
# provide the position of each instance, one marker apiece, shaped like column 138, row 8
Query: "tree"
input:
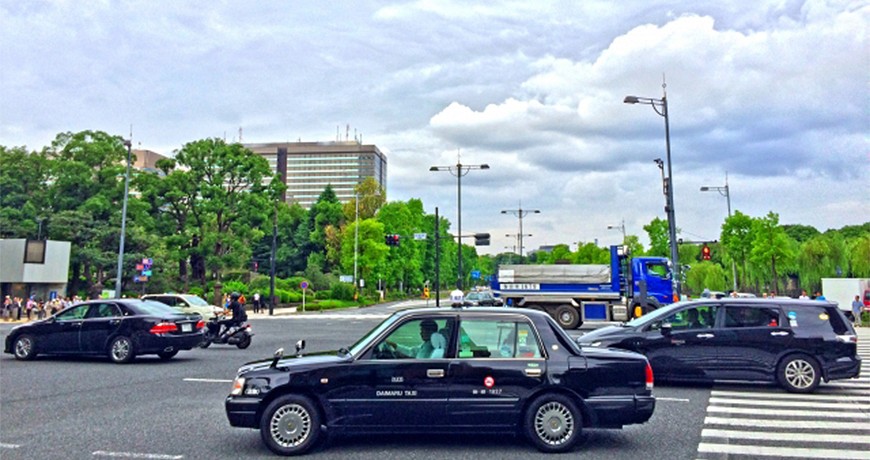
column 800, row 233
column 371, row 197
column 820, row 257
column 736, row 240
column 231, row 201
column 859, row 256
column 705, row 275
column 771, row 246
column 657, row 230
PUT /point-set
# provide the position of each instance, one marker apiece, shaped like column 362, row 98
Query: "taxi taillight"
column 200, row 324
column 163, row 328
column 649, row 377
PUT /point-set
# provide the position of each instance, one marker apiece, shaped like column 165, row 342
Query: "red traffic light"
column 705, row 252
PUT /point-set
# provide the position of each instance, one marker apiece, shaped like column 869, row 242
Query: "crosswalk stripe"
column 798, row 452
column 784, row 412
column 792, row 396
column 845, row 404
column 778, row 436
column 761, row 423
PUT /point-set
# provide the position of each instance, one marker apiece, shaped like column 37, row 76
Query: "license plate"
column 186, row 327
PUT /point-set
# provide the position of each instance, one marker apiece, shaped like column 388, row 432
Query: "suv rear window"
column 821, row 317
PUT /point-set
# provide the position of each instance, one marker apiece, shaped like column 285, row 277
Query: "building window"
column 34, row 252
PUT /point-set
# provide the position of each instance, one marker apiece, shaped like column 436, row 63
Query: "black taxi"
column 491, row 370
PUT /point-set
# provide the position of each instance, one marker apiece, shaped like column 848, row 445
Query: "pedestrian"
column 819, row 296
column 256, row 302
column 857, row 305
column 40, row 310
column 30, row 305
column 7, row 307
column 804, row 295
column 15, row 312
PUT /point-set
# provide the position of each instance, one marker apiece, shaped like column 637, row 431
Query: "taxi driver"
column 429, row 348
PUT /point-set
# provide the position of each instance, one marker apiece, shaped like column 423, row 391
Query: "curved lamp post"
column 660, row 106
column 724, row 191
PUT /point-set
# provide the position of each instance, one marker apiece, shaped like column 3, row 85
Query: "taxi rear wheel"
column 290, row 425
column 553, row 423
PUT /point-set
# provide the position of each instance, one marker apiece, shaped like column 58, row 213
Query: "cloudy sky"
column 772, row 93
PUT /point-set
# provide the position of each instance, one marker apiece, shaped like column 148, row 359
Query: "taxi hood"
column 297, row 362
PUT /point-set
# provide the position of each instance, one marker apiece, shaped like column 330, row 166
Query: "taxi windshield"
column 356, row 348
column 195, row 300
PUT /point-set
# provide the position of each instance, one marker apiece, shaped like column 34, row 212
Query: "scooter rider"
column 238, row 314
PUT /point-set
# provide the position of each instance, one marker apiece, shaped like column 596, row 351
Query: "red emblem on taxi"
column 488, row 382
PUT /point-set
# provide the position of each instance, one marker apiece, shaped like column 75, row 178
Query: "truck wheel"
column 567, row 316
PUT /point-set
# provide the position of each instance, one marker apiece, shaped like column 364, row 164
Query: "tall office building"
column 308, row 167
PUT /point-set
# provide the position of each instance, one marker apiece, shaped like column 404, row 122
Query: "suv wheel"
column 799, row 374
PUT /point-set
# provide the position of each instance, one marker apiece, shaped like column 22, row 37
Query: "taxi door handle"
column 779, row 333
column 435, row 373
column 705, row 336
column 534, row 372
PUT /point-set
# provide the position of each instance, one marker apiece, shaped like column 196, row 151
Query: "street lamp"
column 621, row 226
column 119, row 276
column 724, row 191
column 521, row 213
column 669, row 183
column 459, row 170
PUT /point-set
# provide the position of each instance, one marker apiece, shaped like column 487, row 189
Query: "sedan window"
column 103, row 310
column 497, row 339
column 74, row 313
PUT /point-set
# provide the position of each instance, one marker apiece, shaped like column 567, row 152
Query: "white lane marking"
column 796, row 452
column 779, row 436
column 208, row 380
column 792, row 396
column 813, row 424
column 786, row 412
column 4, row 445
column 671, row 399
column 845, row 404
column 102, row 453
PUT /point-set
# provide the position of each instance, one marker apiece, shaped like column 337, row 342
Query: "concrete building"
column 308, row 167
column 146, row 160
column 34, row 268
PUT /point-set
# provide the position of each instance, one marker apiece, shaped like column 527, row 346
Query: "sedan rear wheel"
column 799, row 374
column 167, row 355
column 290, row 425
column 25, row 347
column 553, row 423
column 121, row 350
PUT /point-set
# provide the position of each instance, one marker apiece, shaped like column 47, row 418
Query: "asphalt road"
column 88, row 408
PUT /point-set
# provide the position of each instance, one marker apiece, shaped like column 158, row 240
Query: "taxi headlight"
column 238, row 386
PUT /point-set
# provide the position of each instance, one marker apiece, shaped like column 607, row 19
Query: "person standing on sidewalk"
column 857, row 305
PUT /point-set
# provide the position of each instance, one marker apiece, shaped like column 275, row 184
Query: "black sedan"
column 482, row 299
column 121, row 329
column 459, row 370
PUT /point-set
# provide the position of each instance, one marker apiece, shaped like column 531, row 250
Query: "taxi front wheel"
column 553, row 423
column 290, row 425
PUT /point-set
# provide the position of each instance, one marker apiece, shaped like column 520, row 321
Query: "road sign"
column 475, row 274
column 419, row 236
column 304, row 285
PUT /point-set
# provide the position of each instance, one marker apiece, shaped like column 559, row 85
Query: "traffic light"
column 481, row 239
column 391, row 240
column 705, row 252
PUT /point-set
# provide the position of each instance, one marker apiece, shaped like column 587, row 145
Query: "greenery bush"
column 341, row 291
column 235, row 286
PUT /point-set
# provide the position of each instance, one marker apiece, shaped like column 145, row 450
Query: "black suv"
column 796, row 343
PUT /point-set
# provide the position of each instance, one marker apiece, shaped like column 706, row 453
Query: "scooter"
column 239, row 336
